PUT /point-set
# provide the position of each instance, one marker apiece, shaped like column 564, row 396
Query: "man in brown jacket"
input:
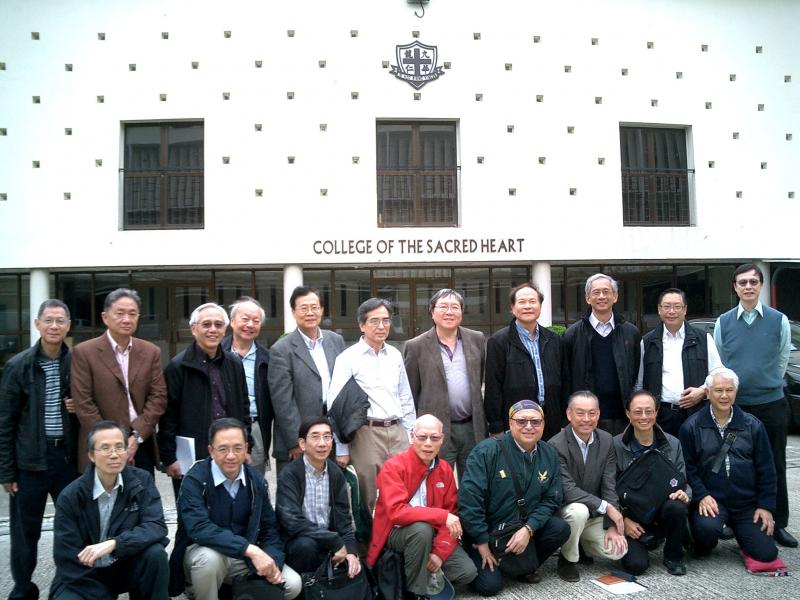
column 118, row 377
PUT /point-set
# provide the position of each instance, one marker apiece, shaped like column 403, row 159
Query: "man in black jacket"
column 109, row 532
column 313, row 504
column 38, row 438
column 601, row 353
column 204, row 383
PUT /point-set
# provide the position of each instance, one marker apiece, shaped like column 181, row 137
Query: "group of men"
column 231, row 398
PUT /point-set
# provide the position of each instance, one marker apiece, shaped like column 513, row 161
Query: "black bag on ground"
column 646, row 484
column 330, row 582
column 254, row 587
column 388, row 575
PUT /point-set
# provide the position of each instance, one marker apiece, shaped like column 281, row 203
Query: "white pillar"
column 292, row 277
column 39, row 292
column 541, row 277
column 766, row 290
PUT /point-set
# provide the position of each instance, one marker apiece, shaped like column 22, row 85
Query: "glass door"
column 410, row 298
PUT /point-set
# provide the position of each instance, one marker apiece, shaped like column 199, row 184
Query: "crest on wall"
column 416, row 64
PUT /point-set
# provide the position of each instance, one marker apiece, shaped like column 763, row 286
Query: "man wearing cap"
column 488, row 498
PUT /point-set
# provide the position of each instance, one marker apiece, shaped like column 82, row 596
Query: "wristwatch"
column 137, row 436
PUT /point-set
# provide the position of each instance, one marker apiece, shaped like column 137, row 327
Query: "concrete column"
column 39, row 292
column 766, row 290
column 541, row 277
column 292, row 277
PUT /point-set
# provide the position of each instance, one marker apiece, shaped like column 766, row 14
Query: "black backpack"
column 646, row 484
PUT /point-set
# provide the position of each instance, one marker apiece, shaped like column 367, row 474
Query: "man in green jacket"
column 487, row 498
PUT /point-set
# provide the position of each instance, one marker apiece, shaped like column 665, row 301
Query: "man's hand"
column 133, row 446
column 11, row 488
column 617, row 518
column 434, row 563
column 615, row 540
column 767, row 522
column 69, row 404
column 90, row 554
column 353, row 565
column 343, row 460
column 692, row 396
column 295, row 452
column 174, row 470
column 339, row 555
column 487, row 558
column 708, row 507
column 680, row 495
column 264, row 565
column 519, row 541
column 454, row 525
column 632, row 529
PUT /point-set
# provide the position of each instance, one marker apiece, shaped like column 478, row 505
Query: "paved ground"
column 721, row 576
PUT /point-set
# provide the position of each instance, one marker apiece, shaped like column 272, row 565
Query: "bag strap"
column 521, row 504
column 730, row 437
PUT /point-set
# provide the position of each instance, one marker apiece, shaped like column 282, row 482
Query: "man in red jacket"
column 415, row 514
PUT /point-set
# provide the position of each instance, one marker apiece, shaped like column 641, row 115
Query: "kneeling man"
column 109, row 532
column 416, row 514
column 226, row 526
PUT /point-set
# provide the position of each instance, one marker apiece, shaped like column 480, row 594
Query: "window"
column 417, row 174
column 163, row 176
column 655, row 176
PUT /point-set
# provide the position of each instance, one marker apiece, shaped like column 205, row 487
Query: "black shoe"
column 568, row 571
column 784, row 538
column 530, row 578
column 583, row 558
column 727, row 533
column 675, row 567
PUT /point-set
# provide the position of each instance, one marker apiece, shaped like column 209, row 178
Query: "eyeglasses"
column 443, row 308
column 56, row 322
column 211, row 324
column 603, row 292
column 745, row 282
column 433, row 437
column 526, row 422
column 305, row 309
column 669, row 307
column 646, row 412
column 320, row 437
column 375, row 321
column 108, row 450
column 225, row 450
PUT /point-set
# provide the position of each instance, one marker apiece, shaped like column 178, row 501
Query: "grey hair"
column 724, row 373
column 371, row 304
column 596, row 276
column 245, row 300
column 196, row 313
column 582, row 394
column 122, row 293
column 444, row 293
column 52, row 303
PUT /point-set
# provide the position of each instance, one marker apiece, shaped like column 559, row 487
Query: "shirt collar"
column 580, row 441
column 98, row 489
column 595, row 321
column 250, row 352
column 741, row 309
column 527, row 334
column 219, row 476
column 311, row 470
column 679, row 335
column 714, row 418
column 365, row 347
column 310, row 344
column 115, row 345
column 521, row 449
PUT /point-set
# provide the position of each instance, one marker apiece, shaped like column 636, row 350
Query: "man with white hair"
column 204, row 383
column 730, row 470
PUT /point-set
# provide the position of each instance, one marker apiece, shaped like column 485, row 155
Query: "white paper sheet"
column 184, row 452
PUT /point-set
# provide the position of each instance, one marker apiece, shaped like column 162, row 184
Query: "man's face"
column 427, row 440
column 53, row 325
column 209, row 330
column 601, row 296
column 246, row 324
column 527, row 427
column 641, row 413
column 748, row 286
column 377, row 327
column 122, row 317
column 672, row 310
column 583, row 414
column 318, row 442
column 307, row 312
column 722, row 394
column 109, row 453
column 228, row 449
column 526, row 308
column 447, row 313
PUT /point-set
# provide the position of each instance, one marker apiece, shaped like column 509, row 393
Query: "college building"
column 198, row 151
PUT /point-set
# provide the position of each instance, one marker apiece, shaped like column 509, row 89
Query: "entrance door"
column 410, row 298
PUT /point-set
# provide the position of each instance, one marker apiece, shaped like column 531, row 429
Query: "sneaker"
column 675, row 567
column 568, row 571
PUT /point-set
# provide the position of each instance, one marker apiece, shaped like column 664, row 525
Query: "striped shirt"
column 531, row 343
column 317, row 499
column 53, row 427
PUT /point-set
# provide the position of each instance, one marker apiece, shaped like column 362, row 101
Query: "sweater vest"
column 230, row 513
column 605, row 376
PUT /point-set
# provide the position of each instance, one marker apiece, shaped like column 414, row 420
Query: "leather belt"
column 56, row 442
column 382, row 422
column 672, row 406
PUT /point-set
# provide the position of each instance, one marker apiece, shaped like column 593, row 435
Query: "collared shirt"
column 749, row 316
column 604, row 329
column 420, row 497
column 105, row 504
column 231, row 485
column 249, row 364
column 531, row 343
column 721, row 427
column 457, row 378
column 584, row 448
column 317, row 351
column 53, row 425
column 382, row 376
column 122, row 355
column 317, row 499
column 528, row 458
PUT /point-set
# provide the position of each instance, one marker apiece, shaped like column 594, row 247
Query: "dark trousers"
column 145, row 457
column 144, row 577
column 613, row 426
column 304, row 554
column 775, row 417
column 706, row 532
column 670, row 416
column 545, row 542
column 26, row 511
column 671, row 524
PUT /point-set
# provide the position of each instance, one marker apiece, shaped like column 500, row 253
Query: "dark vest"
column 230, row 513
column 694, row 359
column 605, row 376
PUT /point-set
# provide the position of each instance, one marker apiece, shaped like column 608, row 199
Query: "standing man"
column 676, row 358
column 602, row 353
column 378, row 370
column 445, row 370
column 755, row 341
column 247, row 315
column 300, row 373
column 118, row 377
column 589, row 475
column 524, row 362
column 204, row 384
column 38, row 438
column 109, row 532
